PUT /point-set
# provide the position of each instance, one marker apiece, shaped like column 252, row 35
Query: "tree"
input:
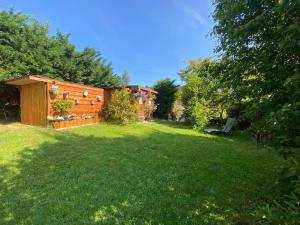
column 165, row 98
column 203, row 96
column 121, row 108
column 259, row 48
column 125, row 79
column 259, row 45
column 26, row 48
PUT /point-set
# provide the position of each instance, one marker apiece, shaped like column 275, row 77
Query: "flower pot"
column 54, row 92
column 66, row 94
column 85, row 93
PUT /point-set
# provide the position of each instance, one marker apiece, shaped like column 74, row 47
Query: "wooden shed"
column 143, row 98
column 37, row 101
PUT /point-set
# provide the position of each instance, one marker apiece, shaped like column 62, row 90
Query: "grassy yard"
column 158, row 173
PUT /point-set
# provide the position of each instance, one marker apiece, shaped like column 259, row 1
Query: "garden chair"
column 226, row 129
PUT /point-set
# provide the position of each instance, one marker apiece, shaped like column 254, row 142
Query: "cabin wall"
column 33, row 104
column 75, row 92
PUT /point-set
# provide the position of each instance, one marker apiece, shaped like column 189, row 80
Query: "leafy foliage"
column 121, row 108
column 259, row 45
column 203, row 96
column 178, row 108
column 259, row 42
column 198, row 116
column 165, row 98
column 287, row 209
column 149, row 110
column 63, row 106
column 27, row 48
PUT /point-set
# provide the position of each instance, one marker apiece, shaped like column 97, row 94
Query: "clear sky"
column 152, row 39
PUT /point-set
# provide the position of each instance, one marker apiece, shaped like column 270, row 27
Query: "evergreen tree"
column 26, row 48
column 165, row 98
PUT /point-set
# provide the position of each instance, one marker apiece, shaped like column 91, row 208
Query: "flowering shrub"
column 141, row 94
column 53, row 119
column 73, row 116
column 120, row 108
column 149, row 110
column 178, row 109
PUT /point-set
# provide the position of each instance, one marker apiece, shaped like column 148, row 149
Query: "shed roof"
column 30, row 79
column 26, row 80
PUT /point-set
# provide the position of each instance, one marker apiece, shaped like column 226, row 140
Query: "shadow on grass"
column 157, row 179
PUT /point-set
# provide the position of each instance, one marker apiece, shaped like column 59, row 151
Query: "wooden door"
column 34, row 104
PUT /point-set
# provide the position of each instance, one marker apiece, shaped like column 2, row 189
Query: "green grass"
column 158, row 173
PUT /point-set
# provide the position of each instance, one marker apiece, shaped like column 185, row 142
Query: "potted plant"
column 66, row 94
column 63, row 107
column 54, row 91
column 85, row 93
column 77, row 101
column 141, row 96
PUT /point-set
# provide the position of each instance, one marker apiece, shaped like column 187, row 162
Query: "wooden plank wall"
column 33, row 104
column 75, row 91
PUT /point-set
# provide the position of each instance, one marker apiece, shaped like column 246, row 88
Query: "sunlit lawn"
column 158, row 173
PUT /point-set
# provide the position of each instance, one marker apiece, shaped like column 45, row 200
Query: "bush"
column 63, row 106
column 149, row 110
column 198, row 116
column 178, row 109
column 121, row 108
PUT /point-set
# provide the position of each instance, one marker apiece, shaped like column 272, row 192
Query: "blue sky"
column 151, row 39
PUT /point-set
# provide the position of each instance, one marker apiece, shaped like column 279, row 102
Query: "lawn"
column 155, row 173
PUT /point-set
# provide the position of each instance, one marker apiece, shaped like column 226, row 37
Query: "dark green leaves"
column 26, row 48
